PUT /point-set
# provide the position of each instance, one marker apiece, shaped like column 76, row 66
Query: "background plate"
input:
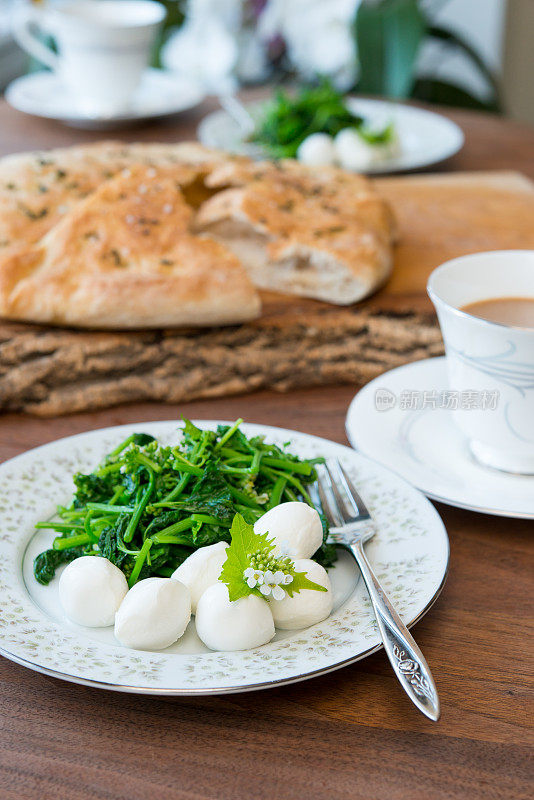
column 425, row 137
column 410, row 555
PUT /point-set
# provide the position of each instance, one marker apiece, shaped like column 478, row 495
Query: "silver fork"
column 351, row 526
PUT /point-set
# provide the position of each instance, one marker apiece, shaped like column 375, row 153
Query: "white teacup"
column 490, row 363
column 103, row 47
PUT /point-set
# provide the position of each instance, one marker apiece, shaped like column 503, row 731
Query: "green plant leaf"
column 301, row 581
column 191, row 430
column 443, row 93
column 244, row 542
column 454, row 40
column 388, row 37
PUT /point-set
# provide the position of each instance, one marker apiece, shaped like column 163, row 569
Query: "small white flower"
column 253, row 577
column 287, row 579
column 272, row 586
column 278, row 593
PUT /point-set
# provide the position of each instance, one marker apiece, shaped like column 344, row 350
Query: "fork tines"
column 339, row 499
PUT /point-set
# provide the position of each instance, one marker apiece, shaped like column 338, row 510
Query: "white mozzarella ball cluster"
column 91, row 590
column 154, row 614
column 294, row 528
column 346, row 149
column 296, row 531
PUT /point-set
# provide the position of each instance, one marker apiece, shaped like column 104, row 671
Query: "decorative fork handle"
column 406, row 659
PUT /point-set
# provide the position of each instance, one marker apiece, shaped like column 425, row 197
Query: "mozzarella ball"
column 317, row 150
column 200, row 570
column 294, row 528
column 238, row 625
column 352, row 151
column 154, row 614
column 308, row 606
column 91, row 590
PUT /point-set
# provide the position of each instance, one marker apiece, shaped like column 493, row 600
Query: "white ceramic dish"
column 410, row 554
column 425, row 138
column 425, row 446
column 159, row 94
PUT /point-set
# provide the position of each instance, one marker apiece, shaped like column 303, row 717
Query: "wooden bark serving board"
column 50, row 371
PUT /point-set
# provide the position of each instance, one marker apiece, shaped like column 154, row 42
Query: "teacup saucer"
column 424, row 445
column 160, row 93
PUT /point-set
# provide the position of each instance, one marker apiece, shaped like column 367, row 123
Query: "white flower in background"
column 205, row 48
column 317, row 34
column 252, row 62
column 218, row 44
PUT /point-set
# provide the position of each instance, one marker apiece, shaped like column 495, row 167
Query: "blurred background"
column 463, row 53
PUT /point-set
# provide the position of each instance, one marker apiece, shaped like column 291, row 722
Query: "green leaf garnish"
column 252, row 551
column 244, row 543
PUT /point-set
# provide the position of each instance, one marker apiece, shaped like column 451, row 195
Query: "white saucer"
column 425, row 447
column 425, row 137
column 160, row 93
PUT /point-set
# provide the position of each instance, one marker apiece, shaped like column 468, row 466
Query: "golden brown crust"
column 323, row 215
column 37, row 189
column 124, row 257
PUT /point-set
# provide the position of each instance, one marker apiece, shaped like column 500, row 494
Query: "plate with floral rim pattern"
column 409, row 553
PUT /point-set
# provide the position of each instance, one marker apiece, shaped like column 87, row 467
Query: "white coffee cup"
column 489, row 357
column 103, row 48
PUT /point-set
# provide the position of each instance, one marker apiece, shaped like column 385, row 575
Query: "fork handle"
column 406, row 659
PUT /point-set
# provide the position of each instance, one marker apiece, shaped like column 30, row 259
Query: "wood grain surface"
column 348, row 736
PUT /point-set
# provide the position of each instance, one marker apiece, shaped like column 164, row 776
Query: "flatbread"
column 321, row 233
column 124, row 257
column 69, row 256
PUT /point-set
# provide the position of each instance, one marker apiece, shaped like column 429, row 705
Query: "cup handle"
column 25, row 18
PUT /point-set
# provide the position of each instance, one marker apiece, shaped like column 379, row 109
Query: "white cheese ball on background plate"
column 294, row 528
column 317, row 150
column 201, row 570
column 239, row 625
column 308, row 606
column 352, row 151
column 154, row 614
column 91, row 590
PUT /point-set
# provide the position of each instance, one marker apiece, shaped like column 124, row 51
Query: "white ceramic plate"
column 425, row 138
column 425, row 446
column 410, row 555
column 160, row 93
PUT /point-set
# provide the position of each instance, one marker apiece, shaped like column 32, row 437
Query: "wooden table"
column 346, row 736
